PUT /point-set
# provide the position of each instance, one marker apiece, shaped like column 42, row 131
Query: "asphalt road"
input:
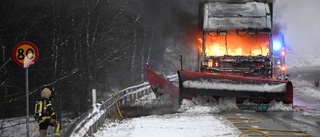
column 305, row 96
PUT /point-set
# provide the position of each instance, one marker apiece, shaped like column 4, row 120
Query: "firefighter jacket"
column 48, row 110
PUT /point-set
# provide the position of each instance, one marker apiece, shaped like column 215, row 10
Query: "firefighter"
column 48, row 116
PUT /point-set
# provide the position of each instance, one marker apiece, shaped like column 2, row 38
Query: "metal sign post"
column 27, row 100
column 26, row 54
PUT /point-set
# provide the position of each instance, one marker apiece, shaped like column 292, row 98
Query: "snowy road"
column 306, row 95
column 156, row 117
column 204, row 120
column 279, row 121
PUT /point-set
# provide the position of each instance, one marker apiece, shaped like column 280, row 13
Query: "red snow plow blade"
column 161, row 85
column 253, row 89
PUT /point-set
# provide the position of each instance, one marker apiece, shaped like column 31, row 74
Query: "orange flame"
column 236, row 45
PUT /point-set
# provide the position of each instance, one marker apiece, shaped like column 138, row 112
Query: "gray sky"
column 300, row 24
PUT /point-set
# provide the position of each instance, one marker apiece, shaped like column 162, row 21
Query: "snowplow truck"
column 239, row 56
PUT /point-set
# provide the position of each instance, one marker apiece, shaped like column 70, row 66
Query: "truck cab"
column 237, row 39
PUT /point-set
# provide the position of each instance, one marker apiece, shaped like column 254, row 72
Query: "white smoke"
column 299, row 22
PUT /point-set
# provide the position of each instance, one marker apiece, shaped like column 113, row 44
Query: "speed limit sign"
column 25, row 54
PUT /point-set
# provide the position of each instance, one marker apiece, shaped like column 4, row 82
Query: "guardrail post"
column 125, row 97
column 131, row 96
column 119, row 99
column 90, row 131
column 122, row 99
column 94, row 96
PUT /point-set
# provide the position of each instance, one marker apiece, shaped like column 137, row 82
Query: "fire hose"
column 115, row 100
column 57, row 129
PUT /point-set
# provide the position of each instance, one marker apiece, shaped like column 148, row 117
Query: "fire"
column 215, row 50
column 236, row 45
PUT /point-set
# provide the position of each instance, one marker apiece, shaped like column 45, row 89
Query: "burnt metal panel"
column 227, row 16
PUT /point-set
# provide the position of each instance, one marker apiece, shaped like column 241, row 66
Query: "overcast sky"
column 300, row 23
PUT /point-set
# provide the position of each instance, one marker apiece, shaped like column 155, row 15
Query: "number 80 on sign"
column 25, row 54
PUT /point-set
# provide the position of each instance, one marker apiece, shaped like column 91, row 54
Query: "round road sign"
column 25, row 54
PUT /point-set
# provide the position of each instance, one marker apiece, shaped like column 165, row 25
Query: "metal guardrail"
column 88, row 123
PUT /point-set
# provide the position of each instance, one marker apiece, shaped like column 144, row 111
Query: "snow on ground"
column 150, row 100
column 294, row 60
column 206, row 104
column 93, row 116
column 196, row 118
column 306, row 88
column 279, row 106
column 16, row 127
column 201, row 112
column 315, row 114
column 169, row 125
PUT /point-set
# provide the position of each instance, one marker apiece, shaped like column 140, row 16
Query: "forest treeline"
column 90, row 44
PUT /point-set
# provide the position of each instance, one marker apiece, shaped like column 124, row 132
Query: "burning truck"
column 239, row 56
